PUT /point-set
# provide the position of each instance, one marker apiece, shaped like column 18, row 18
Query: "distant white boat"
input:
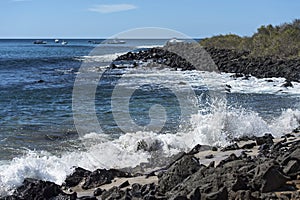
column 115, row 41
column 175, row 40
column 56, row 40
column 64, row 43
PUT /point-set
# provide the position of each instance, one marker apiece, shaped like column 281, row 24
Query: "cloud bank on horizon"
column 111, row 8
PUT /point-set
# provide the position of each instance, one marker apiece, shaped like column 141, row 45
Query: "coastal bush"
column 281, row 41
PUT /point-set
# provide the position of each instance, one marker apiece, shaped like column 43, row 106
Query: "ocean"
column 39, row 137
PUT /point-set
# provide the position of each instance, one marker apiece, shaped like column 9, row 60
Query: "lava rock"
column 37, row 189
column 249, row 145
column 266, row 139
column 292, row 168
column 98, row 192
column 181, row 169
column 76, row 177
column 231, row 147
column 268, row 178
column 102, row 176
column 125, row 184
column 198, row 148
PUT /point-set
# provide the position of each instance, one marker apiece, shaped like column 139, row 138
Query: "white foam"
column 100, row 58
column 211, row 129
column 148, row 46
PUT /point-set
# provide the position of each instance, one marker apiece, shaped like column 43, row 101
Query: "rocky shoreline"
column 226, row 60
column 250, row 168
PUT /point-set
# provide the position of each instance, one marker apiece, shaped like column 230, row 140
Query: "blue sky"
column 103, row 18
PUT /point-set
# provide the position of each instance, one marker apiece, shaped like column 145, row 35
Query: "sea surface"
column 38, row 137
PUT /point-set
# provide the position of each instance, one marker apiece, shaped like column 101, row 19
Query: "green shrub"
column 276, row 41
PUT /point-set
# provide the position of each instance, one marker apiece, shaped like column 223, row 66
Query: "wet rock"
column 37, row 189
column 230, row 158
column 198, row 148
column 287, row 83
column 231, row 147
column 266, row 139
column 125, row 184
column 98, row 192
column 214, row 148
column 102, row 176
column 180, row 170
column 296, row 130
column 76, row 177
column 210, row 156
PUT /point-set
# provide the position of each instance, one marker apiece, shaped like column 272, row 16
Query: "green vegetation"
column 281, row 41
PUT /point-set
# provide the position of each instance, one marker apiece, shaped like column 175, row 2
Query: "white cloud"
column 112, row 8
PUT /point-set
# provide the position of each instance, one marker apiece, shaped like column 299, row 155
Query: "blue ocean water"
column 36, row 83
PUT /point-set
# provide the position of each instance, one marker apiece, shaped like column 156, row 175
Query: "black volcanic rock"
column 37, row 189
column 76, row 177
column 181, row 169
column 226, row 60
column 102, row 176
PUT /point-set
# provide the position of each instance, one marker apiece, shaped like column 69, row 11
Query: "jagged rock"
column 113, row 193
column 249, row 145
column 198, row 148
column 37, row 189
column 210, row 156
column 76, row 177
column 240, row 184
column 98, row 192
column 266, row 139
column 148, row 189
column 287, row 83
column 244, row 195
column 195, row 194
column 229, row 61
column 181, row 169
column 268, row 178
column 214, row 148
column 136, row 190
column 102, row 176
column 125, row 184
column 221, row 194
column 233, row 146
column 292, row 168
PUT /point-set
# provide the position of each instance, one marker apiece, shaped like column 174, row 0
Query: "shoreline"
column 249, row 168
column 226, row 60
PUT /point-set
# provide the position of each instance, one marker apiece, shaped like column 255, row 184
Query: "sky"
column 104, row 18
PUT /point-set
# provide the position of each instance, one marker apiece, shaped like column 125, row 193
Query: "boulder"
column 177, row 172
column 268, row 177
column 76, row 177
column 102, row 176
